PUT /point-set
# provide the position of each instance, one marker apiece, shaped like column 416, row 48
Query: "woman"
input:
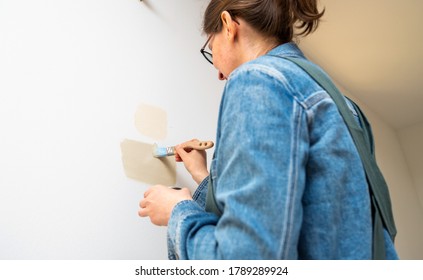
column 286, row 179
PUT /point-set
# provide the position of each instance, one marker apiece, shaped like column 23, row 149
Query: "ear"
column 230, row 27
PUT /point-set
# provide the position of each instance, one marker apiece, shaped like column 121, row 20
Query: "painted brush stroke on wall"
column 137, row 157
column 151, row 121
column 140, row 165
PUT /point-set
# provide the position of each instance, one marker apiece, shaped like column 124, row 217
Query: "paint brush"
column 170, row 151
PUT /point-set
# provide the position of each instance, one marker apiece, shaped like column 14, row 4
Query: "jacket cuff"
column 176, row 227
column 200, row 193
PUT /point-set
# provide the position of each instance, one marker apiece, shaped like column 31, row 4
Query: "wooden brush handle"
column 198, row 145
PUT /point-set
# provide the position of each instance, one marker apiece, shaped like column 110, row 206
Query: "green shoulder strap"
column 363, row 139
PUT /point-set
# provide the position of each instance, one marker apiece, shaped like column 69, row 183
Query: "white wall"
column 395, row 167
column 72, row 74
column 407, row 208
column 411, row 140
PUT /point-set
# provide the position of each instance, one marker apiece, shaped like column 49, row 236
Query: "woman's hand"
column 159, row 202
column 194, row 161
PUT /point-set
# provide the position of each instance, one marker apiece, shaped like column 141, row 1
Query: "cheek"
column 217, row 61
column 221, row 62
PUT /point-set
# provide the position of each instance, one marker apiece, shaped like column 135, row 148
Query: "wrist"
column 200, row 176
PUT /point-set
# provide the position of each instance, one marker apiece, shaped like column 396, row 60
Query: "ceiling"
column 374, row 49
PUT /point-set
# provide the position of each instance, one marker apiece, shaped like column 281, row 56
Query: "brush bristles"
column 163, row 151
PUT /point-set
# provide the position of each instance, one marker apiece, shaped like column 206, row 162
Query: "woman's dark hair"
column 274, row 18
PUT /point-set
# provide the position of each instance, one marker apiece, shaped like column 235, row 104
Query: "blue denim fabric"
column 286, row 174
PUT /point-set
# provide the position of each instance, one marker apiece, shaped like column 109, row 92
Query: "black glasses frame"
column 207, row 55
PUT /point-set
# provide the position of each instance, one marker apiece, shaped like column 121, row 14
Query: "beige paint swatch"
column 140, row 165
column 151, row 121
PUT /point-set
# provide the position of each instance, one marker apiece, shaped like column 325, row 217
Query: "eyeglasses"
column 207, row 55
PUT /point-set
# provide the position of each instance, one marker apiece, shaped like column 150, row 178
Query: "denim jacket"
column 287, row 176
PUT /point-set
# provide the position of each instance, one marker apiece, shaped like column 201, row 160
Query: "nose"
column 221, row 76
